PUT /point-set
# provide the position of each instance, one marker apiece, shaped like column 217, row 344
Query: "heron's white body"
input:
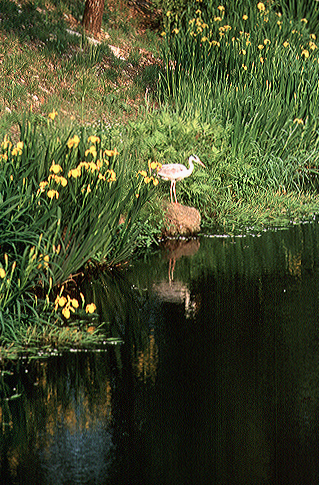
column 177, row 171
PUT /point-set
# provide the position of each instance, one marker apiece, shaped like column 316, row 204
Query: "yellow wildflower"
column 245, row 17
column 191, row 21
column 52, row 115
column 260, row 47
column 143, row 173
column 261, row 60
column 147, row 179
column 92, row 166
column 55, row 168
column 299, row 121
column 266, row 41
column 175, row 31
column 2, row 273
column 217, row 19
column 204, row 39
column 312, row 46
column 66, row 312
column 221, row 8
column 46, row 260
column 286, row 44
column 155, row 182
column 313, row 36
column 168, row 13
column 163, row 34
column 261, row 7
column 90, row 308
column 91, row 150
column 75, row 172
column 94, row 139
column 73, row 142
column 244, row 67
column 60, row 180
column 6, row 143
column 111, row 153
column 112, row 176
column 20, row 145
column 60, row 301
column 305, row 53
column 53, row 193
column 16, row 152
column 42, row 186
column 305, row 21
column 198, row 12
column 243, row 52
column 75, row 303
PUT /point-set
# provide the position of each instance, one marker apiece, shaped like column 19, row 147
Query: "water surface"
column 216, row 381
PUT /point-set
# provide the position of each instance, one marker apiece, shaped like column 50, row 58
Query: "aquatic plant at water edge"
column 67, row 201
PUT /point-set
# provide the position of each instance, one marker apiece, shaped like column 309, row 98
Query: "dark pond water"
column 216, row 381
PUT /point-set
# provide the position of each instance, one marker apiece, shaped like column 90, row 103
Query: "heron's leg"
column 175, row 191
column 171, row 191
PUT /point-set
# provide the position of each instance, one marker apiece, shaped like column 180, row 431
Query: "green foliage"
column 174, row 6
column 168, row 136
column 255, row 69
column 66, row 200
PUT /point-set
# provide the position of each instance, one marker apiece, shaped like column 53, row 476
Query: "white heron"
column 177, row 171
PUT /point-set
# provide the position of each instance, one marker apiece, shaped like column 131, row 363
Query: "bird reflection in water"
column 174, row 291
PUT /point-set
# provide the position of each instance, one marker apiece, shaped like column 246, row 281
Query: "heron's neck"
column 191, row 165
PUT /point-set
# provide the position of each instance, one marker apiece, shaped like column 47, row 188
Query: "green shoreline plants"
column 68, row 201
column 253, row 67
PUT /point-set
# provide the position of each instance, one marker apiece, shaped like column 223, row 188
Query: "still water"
column 216, row 381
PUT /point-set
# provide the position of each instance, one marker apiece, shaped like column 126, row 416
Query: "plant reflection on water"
column 215, row 382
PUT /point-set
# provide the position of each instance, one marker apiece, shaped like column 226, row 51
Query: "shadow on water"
column 217, row 380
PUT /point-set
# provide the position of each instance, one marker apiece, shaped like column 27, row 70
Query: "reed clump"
column 69, row 202
column 253, row 67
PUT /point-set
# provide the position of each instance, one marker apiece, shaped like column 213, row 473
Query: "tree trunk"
column 93, row 14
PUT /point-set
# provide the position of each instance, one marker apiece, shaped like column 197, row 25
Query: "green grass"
column 44, row 67
column 258, row 76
